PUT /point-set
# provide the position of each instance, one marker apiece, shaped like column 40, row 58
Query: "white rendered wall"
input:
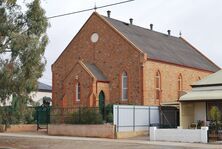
column 200, row 111
column 179, row 135
column 37, row 96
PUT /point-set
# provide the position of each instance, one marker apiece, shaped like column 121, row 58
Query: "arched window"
column 158, row 85
column 124, row 79
column 180, row 85
column 77, row 91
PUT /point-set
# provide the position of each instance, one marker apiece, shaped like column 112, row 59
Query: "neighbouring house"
column 110, row 61
column 43, row 90
column 196, row 104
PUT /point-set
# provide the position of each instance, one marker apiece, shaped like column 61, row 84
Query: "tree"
column 23, row 40
column 22, row 45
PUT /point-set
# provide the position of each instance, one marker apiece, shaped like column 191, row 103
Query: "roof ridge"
column 147, row 29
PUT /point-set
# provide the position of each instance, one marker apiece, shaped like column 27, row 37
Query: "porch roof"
column 202, row 95
column 96, row 72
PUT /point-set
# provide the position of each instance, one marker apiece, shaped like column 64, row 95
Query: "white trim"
column 126, row 88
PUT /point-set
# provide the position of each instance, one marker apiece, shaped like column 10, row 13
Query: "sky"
column 199, row 21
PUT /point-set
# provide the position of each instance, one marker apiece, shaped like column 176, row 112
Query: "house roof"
column 159, row 46
column 44, row 87
column 96, row 72
column 202, row 95
column 213, row 79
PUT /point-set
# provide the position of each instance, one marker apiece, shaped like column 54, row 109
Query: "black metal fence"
column 79, row 115
column 215, row 132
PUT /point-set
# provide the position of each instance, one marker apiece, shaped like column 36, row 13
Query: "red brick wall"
column 111, row 56
column 78, row 74
column 169, row 81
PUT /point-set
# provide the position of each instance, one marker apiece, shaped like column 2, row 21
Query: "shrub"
column 109, row 118
column 109, row 108
column 215, row 114
column 109, row 113
column 87, row 116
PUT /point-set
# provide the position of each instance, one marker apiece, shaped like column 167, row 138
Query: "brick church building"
column 110, row 61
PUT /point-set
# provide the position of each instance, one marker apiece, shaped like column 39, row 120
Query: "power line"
column 84, row 10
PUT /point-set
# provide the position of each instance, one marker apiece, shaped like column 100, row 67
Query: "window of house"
column 124, row 86
column 180, row 87
column 158, row 85
column 77, row 91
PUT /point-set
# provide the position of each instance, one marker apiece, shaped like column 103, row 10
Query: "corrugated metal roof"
column 213, row 79
column 202, row 95
column 96, row 72
column 44, row 87
column 162, row 47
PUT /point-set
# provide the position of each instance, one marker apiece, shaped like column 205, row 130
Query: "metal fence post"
column 149, row 117
column 117, row 118
column 134, row 118
column 79, row 114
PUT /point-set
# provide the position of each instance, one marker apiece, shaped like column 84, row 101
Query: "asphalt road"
column 48, row 142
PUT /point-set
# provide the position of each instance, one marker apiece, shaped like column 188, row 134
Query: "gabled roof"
column 96, row 72
column 162, row 47
column 213, row 79
column 44, row 87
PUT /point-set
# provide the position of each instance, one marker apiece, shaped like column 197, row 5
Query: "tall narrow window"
column 77, row 91
column 180, row 87
column 124, row 86
column 158, row 85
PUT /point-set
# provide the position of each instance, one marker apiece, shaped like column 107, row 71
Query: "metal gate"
column 169, row 117
column 42, row 117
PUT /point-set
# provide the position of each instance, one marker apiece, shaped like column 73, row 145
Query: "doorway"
column 102, row 104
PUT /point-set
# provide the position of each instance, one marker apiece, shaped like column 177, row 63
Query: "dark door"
column 42, row 117
column 102, row 103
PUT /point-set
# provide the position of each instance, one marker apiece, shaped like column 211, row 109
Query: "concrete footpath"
column 129, row 141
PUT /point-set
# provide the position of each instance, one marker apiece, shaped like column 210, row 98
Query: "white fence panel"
column 154, row 115
column 134, row 118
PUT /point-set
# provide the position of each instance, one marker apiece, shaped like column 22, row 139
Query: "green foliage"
column 109, row 113
column 109, row 118
column 200, row 124
column 17, row 113
column 46, row 100
column 215, row 114
column 22, row 45
column 87, row 116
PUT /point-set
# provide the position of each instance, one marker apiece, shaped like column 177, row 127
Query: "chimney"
column 108, row 13
column 131, row 21
column 151, row 27
column 168, row 31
